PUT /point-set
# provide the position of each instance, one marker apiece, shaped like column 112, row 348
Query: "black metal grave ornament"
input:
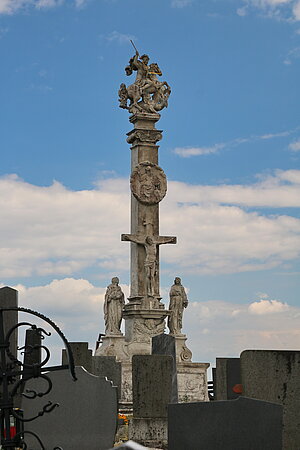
column 14, row 373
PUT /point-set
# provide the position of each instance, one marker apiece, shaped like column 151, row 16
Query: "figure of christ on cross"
column 150, row 244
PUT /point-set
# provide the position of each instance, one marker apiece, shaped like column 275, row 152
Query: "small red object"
column 238, row 388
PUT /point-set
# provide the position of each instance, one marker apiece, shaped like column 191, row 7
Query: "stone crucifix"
column 151, row 267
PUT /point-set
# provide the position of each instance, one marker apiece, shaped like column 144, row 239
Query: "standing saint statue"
column 178, row 301
column 113, row 307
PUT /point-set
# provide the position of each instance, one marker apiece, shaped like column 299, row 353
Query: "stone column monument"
column 144, row 314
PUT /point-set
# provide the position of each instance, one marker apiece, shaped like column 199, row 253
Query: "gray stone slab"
column 32, row 355
column 107, row 366
column 151, row 385
column 85, row 419
column 274, row 375
column 241, row 424
column 9, row 298
column 227, row 375
column 164, row 344
column 81, row 354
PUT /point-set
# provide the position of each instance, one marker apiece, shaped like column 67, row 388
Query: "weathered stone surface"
column 275, row 376
column 147, row 94
column 151, row 385
column 9, row 298
column 164, row 344
column 81, row 354
column 192, row 382
column 86, row 417
column 107, row 366
column 32, row 355
column 149, row 432
column 227, row 375
column 241, row 424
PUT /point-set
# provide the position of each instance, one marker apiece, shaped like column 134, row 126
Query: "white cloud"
column 80, row 3
column 231, row 328
column 242, row 11
column 186, row 152
column 277, row 9
column 293, row 54
column 267, row 307
column 45, row 4
column 13, row 6
column 55, row 231
column 295, row 146
column 296, row 10
column 120, row 38
column 180, row 3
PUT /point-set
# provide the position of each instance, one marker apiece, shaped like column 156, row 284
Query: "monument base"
column 150, row 432
column 113, row 345
column 192, row 382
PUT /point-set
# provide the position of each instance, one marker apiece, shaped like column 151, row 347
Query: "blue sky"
column 231, row 151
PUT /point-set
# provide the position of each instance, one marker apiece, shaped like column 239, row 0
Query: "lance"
column 134, row 47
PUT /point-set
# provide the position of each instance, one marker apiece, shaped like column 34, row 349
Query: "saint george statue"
column 147, row 94
column 113, row 307
column 178, row 301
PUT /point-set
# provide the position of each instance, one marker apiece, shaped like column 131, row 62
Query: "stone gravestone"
column 164, row 344
column 33, row 352
column 152, row 392
column 9, row 298
column 101, row 366
column 227, row 376
column 81, row 354
column 274, row 376
column 86, row 417
column 241, row 424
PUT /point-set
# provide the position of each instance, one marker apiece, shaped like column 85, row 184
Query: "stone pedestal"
column 149, row 432
column 183, row 353
column 113, row 345
column 192, row 382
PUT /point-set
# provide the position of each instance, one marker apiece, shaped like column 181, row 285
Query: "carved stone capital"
column 138, row 136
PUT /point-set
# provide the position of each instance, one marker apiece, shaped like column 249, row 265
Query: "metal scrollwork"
column 13, row 376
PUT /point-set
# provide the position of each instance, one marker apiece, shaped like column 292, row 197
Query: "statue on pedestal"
column 113, row 307
column 178, row 301
column 147, row 94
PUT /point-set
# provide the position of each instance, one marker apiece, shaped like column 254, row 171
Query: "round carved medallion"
column 148, row 183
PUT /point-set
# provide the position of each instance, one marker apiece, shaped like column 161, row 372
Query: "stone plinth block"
column 275, row 376
column 8, row 299
column 164, row 344
column 241, row 424
column 81, row 354
column 33, row 341
column 227, row 375
column 153, row 433
column 86, row 417
column 192, row 382
column 141, row 325
column 183, row 353
column 151, row 385
column 113, row 345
